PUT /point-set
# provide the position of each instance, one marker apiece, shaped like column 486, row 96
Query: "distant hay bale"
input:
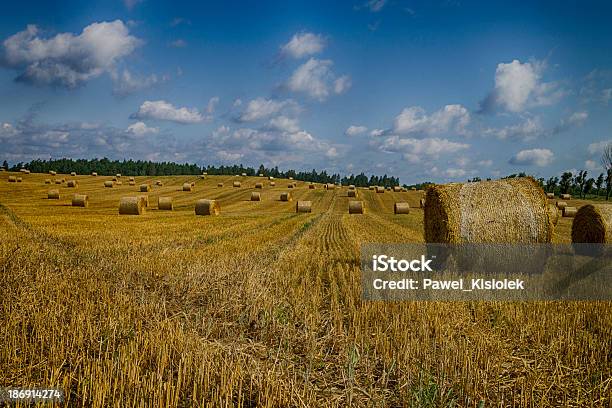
column 72, row 183
column 412, row 188
column 47, row 181
column 145, row 200
column 203, row 177
column 145, row 188
column 119, row 183
column 380, row 190
column 503, row 211
column 422, row 203
column 115, row 179
column 53, row 195
column 261, row 175
column 401, row 208
column 243, row 174
column 57, row 181
column 237, row 184
column 205, row 174
column 164, row 203
column 331, row 186
column 80, row 200
column 258, row 185
column 561, row 205
column 272, row 184
column 24, row 171
column 53, row 173
column 593, row 224
column 356, row 207
column 94, row 174
column 371, row 188
column 565, row 196
column 255, row 196
column 397, row 189
column 193, row 184
column 73, row 174
column 303, row 207
column 553, row 213
column 219, row 184
column 286, row 196
column 270, row 178
column 207, row 207
column 550, row 195
column 351, row 187
column 290, row 185
column 118, row 175
column 132, row 183
column 108, row 184
column 187, row 187
column 159, row 183
column 352, row 193
column 19, row 179
column 131, row 206
column 132, row 179
column 290, row 178
column 311, row 186
column 569, row 212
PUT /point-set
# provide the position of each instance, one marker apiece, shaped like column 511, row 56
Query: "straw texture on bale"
column 303, row 207
column 371, row 188
column 311, row 186
column 57, row 181
column 47, row 181
column 145, row 200
column 145, row 188
column 94, row 174
column 503, row 211
column 159, row 183
column 272, row 184
column 132, row 183
column 397, row 189
column 352, row 193
column 119, row 183
column 593, row 223
column 53, row 194
column 565, row 196
column 286, row 196
column 258, row 185
column 219, row 184
column 207, row 207
column 356, row 207
column 569, row 212
column 164, row 203
column 53, row 173
column 561, row 205
column 255, row 196
column 550, row 195
column 290, row 186
column 553, row 213
column 187, row 187
column 422, row 203
column 331, row 186
column 351, row 187
column 380, row 190
column 401, row 208
column 237, row 184
column 73, row 174
column 72, row 183
column 19, row 179
column 108, row 184
column 115, row 179
column 132, row 179
column 80, row 200
column 270, row 178
column 131, row 206
column 118, row 175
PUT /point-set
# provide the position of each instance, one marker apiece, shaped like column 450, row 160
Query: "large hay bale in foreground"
column 303, row 207
column 165, row 203
column 80, row 200
column 145, row 188
column 258, row 185
column 422, row 203
column 12, row 179
column 286, row 196
column 72, row 183
column 207, row 207
column 569, row 212
column 356, row 207
column 53, row 195
column 503, row 211
column 237, row 184
column 255, row 196
column 187, row 187
column 593, row 224
column 131, row 206
column 561, row 205
column 401, row 208
column 108, row 184
column 565, row 196
column 352, row 193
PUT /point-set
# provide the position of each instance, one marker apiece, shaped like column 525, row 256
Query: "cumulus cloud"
column 598, row 147
column 377, row 132
column 284, row 124
column 574, row 120
column 414, row 149
column 533, row 157
column 592, row 165
column 261, row 108
column 414, row 120
column 485, row 163
column 355, row 130
column 126, row 83
column 141, row 129
column 518, row 86
column 66, row 59
column 303, row 44
column 316, row 79
column 162, row 110
column 530, row 129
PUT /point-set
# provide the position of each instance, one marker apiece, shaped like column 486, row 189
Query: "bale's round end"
column 131, row 206
column 401, row 208
column 187, row 187
column 303, row 207
column 165, row 203
column 356, row 207
column 255, row 196
column 53, row 195
column 593, row 224
column 207, row 207
column 286, row 196
column 80, row 200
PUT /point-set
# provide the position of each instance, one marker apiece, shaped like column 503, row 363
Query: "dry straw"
column 401, row 208
column 19, row 179
column 553, row 213
column 132, row 183
column 351, row 187
column 207, row 207
column 371, row 188
column 397, row 189
column 561, row 205
column 565, row 196
column 53, row 194
column 569, row 212
column 593, row 223
column 145, row 188
column 311, row 186
column 331, row 186
column 47, row 181
column 303, row 207
column 550, row 195
column 187, row 187
column 270, row 178
column 380, row 190
column 503, row 211
column 237, row 184
column 193, row 184
column 145, row 200
column 53, row 173
column 118, row 175
column 258, row 185
column 108, row 184
column 290, row 185
column 159, row 183
column 119, row 183
column 164, row 203
column 352, row 193
column 219, row 184
column 255, row 196
column 94, row 174
column 132, row 179
column 286, row 196
column 80, row 200
column 131, row 206
column 115, row 179
column 202, row 176
column 422, row 203
column 72, row 183
column 57, row 181
column 356, row 207
column 73, row 174
column 272, row 184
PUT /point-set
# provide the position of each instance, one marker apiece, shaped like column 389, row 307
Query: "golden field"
column 261, row 306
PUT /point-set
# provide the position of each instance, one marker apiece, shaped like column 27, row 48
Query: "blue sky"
column 439, row 91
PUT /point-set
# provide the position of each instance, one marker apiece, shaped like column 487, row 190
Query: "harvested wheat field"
column 263, row 307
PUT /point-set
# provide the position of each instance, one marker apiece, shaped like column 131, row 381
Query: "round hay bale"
column 270, row 178
column 19, row 179
column 115, row 179
column 80, row 200
column 187, row 187
column 565, row 196
column 118, row 175
column 272, row 184
column 311, row 186
column 553, row 213
column 159, row 183
column 205, row 174
column 165, row 203
column 47, row 181
column 53, row 195
column 261, row 175
column 593, row 224
column 145, row 188
column 73, row 174
column 550, row 195
column 237, row 184
column 219, row 184
column 352, row 193
column 401, row 208
column 72, row 183
column 145, row 200
column 258, row 185
column 303, row 207
column 561, row 205
column 119, row 183
column 12, row 179
column 422, row 203
column 356, row 207
column 202, row 177
column 569, row 212
column 351, row 187
column 243, row 174
column 57, row 181
column 255, row 196
column 132, row 179
column 371, row 188
column 290, row 186
column 108, row 184
column 397, row 189
column 131, row 206
column 207, row 207
column 94, row 174
column 503, row 211
column 380, row 190
column 132, row 183
column 53, row 173
column 331, row 186
column 286, row 196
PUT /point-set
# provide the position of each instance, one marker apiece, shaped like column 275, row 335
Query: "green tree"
column 566, row 182
column 599, row 183
column 579, row 181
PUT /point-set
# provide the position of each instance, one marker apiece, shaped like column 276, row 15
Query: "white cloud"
column 141, row 129
column 284, row 124
column 529, row 129
column 331, row 153
column 261, row 108
column 67, row 59
column 413, row 149
column 415, row 120
column 342, row 84
column 125, row 83
column 377, row 132
column 355, row 130
column 592, row 165
column 537, row 157
column 454, row 173
column 316, row 79
column 485, row 163
column 162, row 110
column 598, row 147
column 229, row 156
column 304, row 44
column 7, row 130
column 130, row 4
column 373, row 5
